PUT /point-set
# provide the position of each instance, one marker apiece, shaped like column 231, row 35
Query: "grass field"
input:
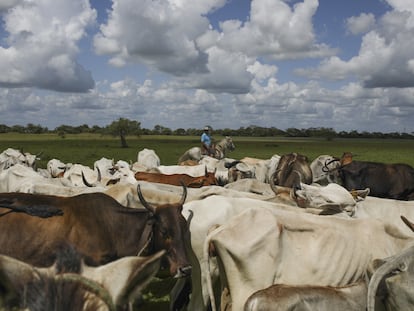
column 87, row 148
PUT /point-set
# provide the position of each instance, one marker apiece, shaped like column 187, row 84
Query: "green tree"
column 124, row 127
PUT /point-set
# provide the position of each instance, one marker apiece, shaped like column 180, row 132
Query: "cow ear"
column 14, row 277
column 137, row 272
column 141, row 276
column 360, row 195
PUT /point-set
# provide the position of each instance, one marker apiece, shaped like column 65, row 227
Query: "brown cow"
column 292, row 169
column 207, row 179
column 101, row 229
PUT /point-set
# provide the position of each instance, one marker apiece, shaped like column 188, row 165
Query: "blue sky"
column 347, row 65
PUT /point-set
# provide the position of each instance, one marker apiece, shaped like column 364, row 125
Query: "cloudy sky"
column 348, row 65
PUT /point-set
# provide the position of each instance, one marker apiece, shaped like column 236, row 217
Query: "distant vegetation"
column 123, row 127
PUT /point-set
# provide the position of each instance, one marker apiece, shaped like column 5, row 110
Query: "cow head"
column 208, row 179
column 395, row 277
column 331, row 199
column 69, row 284
column 292, row 169
column 170, row 231
column 30, row 288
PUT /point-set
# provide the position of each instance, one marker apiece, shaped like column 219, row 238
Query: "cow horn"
column 148, row 206
column 391, row 264
column 408, row 223
column 184, row 196
column 152, row 208
column 326, row 169
column 90, row 286
column 190, row 217
column 276, row 189
column 88, row 184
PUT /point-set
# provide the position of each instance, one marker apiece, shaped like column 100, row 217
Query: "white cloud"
column 42, row 45
column 360, row 24
column 160, row 34
column 384, row 55
column 175, row 38
column 275, row 30
column 7, row 4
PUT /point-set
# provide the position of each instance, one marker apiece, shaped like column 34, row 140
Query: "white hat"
column 206, row 128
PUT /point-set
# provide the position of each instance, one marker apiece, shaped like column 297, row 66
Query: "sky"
column 346, row 65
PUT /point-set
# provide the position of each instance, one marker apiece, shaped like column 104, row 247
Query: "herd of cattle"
column 283, row 233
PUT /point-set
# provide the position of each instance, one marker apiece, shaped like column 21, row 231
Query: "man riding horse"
column 206, row 143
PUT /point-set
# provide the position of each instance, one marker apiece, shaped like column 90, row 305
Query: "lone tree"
column 124, row 127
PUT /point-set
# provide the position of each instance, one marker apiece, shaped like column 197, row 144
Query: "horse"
column 220, row 150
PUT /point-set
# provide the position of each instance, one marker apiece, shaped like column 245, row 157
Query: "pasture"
column 87, row 148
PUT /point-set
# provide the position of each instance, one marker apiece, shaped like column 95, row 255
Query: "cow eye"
column 165, row 234
column 402, row 267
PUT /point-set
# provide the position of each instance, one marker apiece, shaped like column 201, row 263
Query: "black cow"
column 101, row 229
column 392, row 181
column 292, row 169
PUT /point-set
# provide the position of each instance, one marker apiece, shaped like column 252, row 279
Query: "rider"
column 206, row 142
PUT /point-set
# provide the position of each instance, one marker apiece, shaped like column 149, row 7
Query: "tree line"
column 123, row 127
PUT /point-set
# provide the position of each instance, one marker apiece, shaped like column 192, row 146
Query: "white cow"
column 263, row 168
column 56, row 168
column 11, row 156
column 219, row 204
column 74, row 174
column 388, row 211
column 105, row 166
column 205, row 213
column 148, row 159
column 193, row 170
column 19, row 177
column 331, row 199
column 262, row 247
column 324, row 169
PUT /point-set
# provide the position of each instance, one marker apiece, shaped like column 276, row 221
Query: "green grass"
column 87, row 148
